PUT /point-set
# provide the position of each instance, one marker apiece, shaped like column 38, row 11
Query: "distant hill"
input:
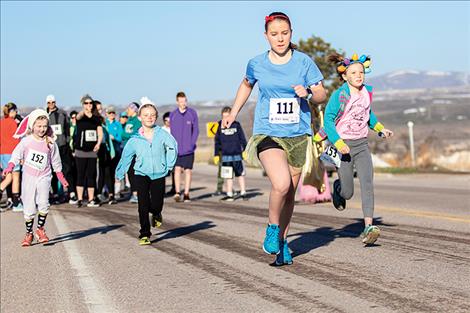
column 411, row 79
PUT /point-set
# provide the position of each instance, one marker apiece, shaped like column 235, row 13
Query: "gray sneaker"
column 134, row 199
column 338, row 201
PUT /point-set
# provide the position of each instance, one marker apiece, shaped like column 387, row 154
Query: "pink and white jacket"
column 38, row 157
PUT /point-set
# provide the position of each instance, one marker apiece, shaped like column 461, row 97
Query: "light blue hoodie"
column 153, row 159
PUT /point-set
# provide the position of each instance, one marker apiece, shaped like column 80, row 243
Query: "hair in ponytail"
column 337, row 59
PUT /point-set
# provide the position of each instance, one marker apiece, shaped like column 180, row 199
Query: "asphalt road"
column 207, row 257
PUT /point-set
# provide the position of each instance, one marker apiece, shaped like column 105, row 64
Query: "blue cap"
column 123, row 114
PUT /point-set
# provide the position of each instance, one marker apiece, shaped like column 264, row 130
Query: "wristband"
column 309, row 94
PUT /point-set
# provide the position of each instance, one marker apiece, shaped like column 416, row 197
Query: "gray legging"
column 360, row 157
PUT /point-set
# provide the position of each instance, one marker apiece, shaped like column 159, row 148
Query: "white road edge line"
column 95, row 299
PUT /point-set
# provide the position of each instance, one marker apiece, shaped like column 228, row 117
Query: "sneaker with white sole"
column 134, row 199
column 41, row 236
column 18, row 208
column 73, row 200
column 228, row 199
column 28, row 240
column 93, row 204
column 271, row 240
column 370, row 234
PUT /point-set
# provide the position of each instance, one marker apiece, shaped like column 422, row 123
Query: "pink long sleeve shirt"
column 38, row 157
column 354, row 123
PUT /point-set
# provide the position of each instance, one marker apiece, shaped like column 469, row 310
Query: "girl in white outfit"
column 39, row 153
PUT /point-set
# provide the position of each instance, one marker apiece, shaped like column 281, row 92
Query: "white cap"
column 50, row 98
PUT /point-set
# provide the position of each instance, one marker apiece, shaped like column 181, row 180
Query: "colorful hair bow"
column 364, row 60
column 269, row 18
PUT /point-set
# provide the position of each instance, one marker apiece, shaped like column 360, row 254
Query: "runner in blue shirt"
column 287, row 80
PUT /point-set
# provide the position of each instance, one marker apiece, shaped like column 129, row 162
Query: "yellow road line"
column 428, row 214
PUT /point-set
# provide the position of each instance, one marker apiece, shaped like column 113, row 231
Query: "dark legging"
column 150, row 194
column 86, row 172
column 107, row 167
column 68, row 168
column 131, row 174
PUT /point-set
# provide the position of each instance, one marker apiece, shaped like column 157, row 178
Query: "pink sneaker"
column 28, row 240
column 41, row 235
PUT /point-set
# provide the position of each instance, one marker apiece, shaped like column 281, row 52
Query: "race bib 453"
column 332, row 156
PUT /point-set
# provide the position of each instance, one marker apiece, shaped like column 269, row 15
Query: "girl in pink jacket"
column 39, row 154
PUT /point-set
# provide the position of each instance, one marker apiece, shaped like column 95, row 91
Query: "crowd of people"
column 94, row 153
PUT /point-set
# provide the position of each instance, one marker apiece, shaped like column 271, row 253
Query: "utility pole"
column 412, row 144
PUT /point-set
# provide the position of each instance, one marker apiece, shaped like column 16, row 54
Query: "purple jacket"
column 184, row 127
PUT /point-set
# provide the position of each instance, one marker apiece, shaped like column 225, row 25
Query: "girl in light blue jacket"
column 155, row 152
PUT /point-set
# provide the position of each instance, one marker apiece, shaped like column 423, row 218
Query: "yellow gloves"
column 216, row 159
column 244, row 155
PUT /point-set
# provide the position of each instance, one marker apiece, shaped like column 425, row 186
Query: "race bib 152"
column 36, row 160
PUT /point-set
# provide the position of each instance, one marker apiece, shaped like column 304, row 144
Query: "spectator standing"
column 185, row 129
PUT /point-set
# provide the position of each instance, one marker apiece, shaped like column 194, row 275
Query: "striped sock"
column 41, row 219
column 29, row 226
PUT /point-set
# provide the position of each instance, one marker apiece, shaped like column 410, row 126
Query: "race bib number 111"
column 284, row 111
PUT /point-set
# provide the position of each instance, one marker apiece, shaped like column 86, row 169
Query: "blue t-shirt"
column 275, row 83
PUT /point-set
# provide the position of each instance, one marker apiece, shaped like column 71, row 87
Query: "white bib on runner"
column 57, row 128
column 90, row 135
column 284, row 111
column 129, row 128
column 36, row 160
column 226, row 172
column 332, row 156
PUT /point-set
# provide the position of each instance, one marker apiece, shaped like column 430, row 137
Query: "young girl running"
column 281, row 131
column 348, row 117
column 38, row 153
column 155, row 152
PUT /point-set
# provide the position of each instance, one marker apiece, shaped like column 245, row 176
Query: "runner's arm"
column 243, row 93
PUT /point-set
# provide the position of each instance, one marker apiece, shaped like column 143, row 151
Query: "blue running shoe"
column 271, row 241
column 283, row 258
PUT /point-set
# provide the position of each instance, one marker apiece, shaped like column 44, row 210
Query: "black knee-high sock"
column 29, row 225
column 16, row 199
column 41, row 219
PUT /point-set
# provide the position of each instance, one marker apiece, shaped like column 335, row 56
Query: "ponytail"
column 336, row 59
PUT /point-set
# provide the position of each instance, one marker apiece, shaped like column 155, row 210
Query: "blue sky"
column 121, row 51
